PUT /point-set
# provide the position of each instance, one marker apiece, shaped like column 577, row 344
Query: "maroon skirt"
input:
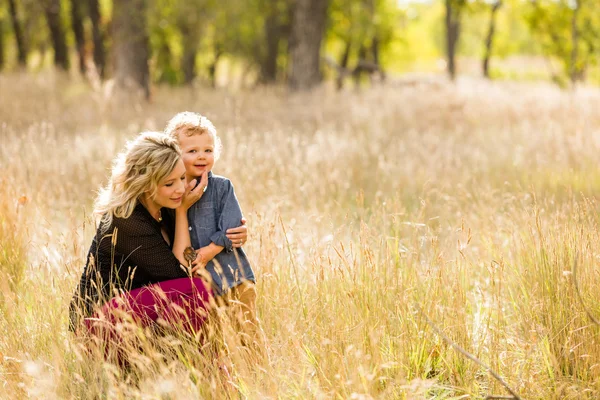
column 182, row 303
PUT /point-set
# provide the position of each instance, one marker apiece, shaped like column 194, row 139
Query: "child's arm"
column 230, row 215
column 207, row 253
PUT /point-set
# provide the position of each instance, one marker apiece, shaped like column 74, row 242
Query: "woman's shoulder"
column 139, row 219
column 137, row 224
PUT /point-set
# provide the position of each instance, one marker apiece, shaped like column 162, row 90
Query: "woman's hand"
column 239, row 235
column 193, row 194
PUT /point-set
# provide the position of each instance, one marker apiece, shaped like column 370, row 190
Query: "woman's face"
column 171, row 189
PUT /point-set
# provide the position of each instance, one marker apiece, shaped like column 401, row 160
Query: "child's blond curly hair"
column 190, row 124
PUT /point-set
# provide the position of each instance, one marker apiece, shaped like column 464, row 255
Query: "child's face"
column 198, row 153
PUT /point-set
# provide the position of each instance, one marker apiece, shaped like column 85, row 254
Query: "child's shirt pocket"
column 206, row 216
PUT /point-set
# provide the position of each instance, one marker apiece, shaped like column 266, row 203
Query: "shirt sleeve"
column 230, row 215
column 144, row 248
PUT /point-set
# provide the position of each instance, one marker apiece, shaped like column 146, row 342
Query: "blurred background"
column 300, row 43
column 455, row 172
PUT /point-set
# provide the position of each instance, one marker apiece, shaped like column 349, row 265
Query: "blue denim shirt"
column 216, row 211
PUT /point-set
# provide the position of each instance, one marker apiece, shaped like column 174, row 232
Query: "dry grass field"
column 369, row 212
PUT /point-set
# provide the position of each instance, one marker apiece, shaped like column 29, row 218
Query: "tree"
column 189, row 19
column 57, row 33
column 363, row 29
column 575, row 70
column 163, row 35
column 19, row 38
column 97, row 37
column 454, row 9
column 308, row 26
column 1, row 41
column 131, row 47
column 78, row 32
column 243, row 42
column 489, row 40
column 277, row 25
column 212, row 68
column 568, row 31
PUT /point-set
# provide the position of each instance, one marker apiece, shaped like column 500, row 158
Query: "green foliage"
column 568, row 31
column 409, row 35
column 513, row 35
column 34, row 26
column 418, row 43
column 226, row 27
column 358, row 22
column 165, row 41
column 238, row 27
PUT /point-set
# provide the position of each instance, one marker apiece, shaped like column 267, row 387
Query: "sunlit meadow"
column 469, row 204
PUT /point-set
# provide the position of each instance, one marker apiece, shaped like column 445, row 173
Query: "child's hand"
column 239, row 235
column 193, row 194
column 199, row 262
column 201, row 258
column 205, row 254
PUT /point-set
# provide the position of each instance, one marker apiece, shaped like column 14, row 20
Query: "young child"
column 218, row 210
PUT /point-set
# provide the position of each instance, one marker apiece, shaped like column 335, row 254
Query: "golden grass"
column 471, row 201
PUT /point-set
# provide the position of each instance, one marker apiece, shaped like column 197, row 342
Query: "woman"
column 136, row 260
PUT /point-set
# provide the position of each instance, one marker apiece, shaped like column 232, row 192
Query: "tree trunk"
column 291, row 43
column 190, row 27
column 273, row 33
column 131, row 45
column 57, row 34
column 97, row 37
column 574, row 70
column 212, row 69
column 308, row 27
column 1, row 43
column 277, row 30
column 165, row 72
column 344, row 65
column 188, row 61
column 375, row 50
column 376, row 60
column 20, row 39
column 357, row 73
column 77, row 23
column 489, row 40
column 453, row 11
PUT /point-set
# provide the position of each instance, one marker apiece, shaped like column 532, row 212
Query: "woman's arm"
column 182, row 235
column 182, row 227
column 239, row 235
column 144, row 248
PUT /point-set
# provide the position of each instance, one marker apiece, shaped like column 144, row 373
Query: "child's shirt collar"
column 210, row 175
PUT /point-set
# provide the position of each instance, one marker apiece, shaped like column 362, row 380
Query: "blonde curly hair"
column 190, row 124
column 147, row 160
